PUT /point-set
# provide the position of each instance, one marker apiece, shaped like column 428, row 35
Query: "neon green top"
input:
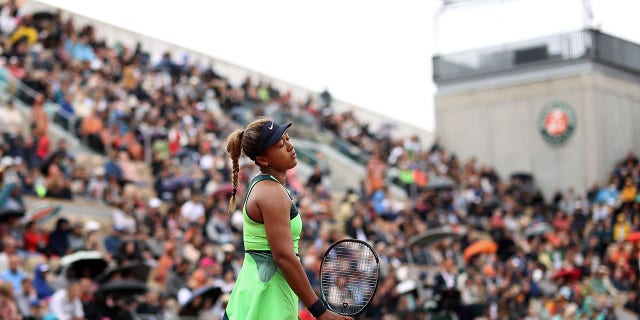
column 261, row 292
column 254, row 234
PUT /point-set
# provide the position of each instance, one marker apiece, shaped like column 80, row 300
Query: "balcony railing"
column 588, row 44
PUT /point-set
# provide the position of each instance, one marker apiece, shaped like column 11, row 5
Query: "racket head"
column 349, row 274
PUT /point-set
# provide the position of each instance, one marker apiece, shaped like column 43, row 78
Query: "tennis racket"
column 349, row 276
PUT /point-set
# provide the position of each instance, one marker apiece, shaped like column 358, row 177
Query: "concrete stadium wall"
column 499, row 126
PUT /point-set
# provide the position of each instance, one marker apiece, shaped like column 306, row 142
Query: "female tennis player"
column 272, row 278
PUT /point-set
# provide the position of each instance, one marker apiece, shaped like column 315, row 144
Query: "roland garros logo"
column 556, row 122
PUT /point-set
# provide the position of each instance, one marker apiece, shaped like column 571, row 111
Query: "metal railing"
column 16, row 89
column 562, row 47
column 589, row 44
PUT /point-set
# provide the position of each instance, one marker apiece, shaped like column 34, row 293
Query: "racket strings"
column 349, row 277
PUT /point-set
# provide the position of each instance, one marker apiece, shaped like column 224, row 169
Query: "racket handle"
column 317, row 308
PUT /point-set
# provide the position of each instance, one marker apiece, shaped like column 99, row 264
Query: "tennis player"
column 272, row 278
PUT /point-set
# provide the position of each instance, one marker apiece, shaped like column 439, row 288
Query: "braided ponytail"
column 234, row 150
column 238, row 143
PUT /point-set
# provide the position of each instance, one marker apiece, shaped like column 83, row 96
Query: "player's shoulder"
column 268, row 189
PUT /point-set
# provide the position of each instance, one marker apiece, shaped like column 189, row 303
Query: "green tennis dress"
column 261, row 291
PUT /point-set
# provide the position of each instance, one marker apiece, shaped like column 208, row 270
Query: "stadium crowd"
column 567, row 256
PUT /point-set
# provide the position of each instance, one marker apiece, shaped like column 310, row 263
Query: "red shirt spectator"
column 34, row 239
column 561, row 222
column 44, row 145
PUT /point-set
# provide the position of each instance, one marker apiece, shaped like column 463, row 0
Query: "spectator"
column 382, row 203
column 42, row 144
column 10, row 16
column 8, row 308
column 194, row 242
column 36, row 240
column 66, row 157
column 12, row 120
column 620, row 280
column 92, row 232
column 114, row 192
column 57, row 184
column 9, row 248
column 113, row 241
column 151, row 304
column 356, row 228
column 192, row 211
column 76, row 237
column 228, row 262
column 315, row 179
column 91, row 129
column 621, row 228
column 123, row 218
column 112, row 167
column 445, row 287
column 59, row 238
column 65, row 303
column 98, row 184
column 166, row 64
column 218, row 229
column 165, row 263
column 155, row 241
column 66, row 115
column 129, row 171
column 375, row 174
column 26, row 298
column 88, row 292
column 177, row 277
column 78, row 47
column 128, row 253
column 11, row 197
column 14, row 275
column 27, row 151
column 153, row 219
column 40, row 283
column 326, row 99
column 39, row 118
column 16, row 66
column 600, row 283
column 633, row 303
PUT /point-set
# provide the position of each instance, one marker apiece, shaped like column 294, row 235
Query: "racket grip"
column 317, row 308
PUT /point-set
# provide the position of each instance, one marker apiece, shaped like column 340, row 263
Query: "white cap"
column 6, row 161
column 154, row 203
column 402, row 273
column 43, row 267
column 98, row 171
column 92, row 225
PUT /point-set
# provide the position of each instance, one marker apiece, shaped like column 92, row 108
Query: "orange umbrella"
column 479, row 247
column 634, row 236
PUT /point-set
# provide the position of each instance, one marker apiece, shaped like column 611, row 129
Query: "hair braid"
column 234, row 150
